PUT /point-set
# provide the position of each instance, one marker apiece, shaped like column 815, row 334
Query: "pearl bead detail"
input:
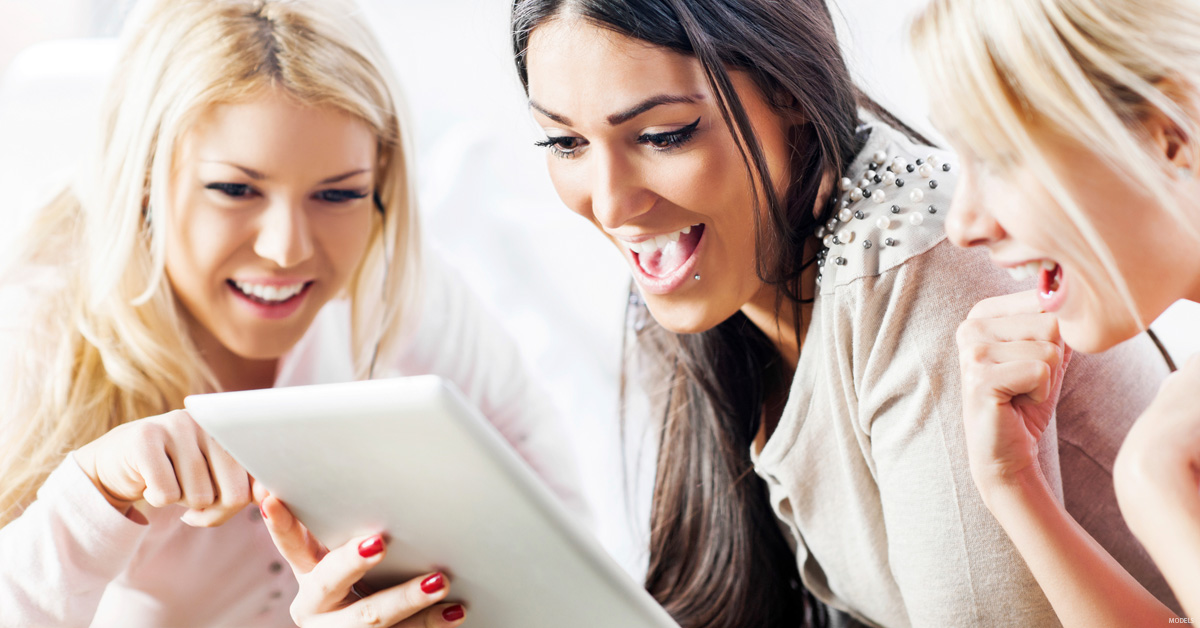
column 873, row 179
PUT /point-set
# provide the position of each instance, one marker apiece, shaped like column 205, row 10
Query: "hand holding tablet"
column 409, row 458
column 328, row 593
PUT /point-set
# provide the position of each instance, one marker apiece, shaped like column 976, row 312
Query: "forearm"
column 1160, row 501
column 1084, row 584
column 57, row 558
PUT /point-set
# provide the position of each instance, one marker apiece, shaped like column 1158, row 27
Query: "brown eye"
column 563, row 145
column 670, row 139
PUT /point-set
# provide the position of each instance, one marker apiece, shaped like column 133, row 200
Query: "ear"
column 1169, row 141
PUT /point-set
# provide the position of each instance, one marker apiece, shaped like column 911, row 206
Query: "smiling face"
column 271, row 213
column 1011, row 212
column 637, row 145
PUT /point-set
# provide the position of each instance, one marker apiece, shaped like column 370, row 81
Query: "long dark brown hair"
column 718, row 558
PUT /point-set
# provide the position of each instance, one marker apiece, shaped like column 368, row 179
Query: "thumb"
column 291, row 538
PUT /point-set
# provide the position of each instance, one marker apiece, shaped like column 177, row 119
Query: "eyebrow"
column 258, row 176
column 622, row 117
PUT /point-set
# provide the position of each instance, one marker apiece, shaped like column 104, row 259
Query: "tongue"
column 668, row 259
column 1048, row 280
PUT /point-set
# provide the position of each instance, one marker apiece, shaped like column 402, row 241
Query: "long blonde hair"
column 1089, row 70
column 110, row 344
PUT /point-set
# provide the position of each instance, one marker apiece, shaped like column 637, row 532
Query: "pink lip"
column 271, row 311
column 671, row 282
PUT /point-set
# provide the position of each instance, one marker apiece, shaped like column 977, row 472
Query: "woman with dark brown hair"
column 794, row 317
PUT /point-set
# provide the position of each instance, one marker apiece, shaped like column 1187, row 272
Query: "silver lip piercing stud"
column 696, row 277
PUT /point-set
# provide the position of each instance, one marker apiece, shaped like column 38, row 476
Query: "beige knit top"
column 867, row 468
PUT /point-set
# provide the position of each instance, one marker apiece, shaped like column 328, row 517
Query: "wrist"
column 996, row 486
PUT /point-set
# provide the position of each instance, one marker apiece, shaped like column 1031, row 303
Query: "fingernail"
column 371, row 546
column 454, row 613
column 262, row 509
column 433, row 583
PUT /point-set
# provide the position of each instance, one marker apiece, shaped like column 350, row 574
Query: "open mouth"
column 664, row 255
column 269, row 295
column 1048, row 273
column 1049, row 276
column 1049, row 279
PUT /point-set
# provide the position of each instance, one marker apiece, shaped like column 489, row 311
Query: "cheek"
column 344, row 240
column 197, row 244
column 570, row 183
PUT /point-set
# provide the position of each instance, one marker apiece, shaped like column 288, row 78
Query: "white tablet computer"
column 410, row 457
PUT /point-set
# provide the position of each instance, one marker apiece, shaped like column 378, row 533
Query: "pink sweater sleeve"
column 57, row 558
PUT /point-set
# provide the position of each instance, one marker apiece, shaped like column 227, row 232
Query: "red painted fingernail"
column 454, row 613
column 262, row 509
column 433, row 583
column 371, row 546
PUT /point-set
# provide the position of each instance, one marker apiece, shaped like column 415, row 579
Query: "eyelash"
column 662, row 142
column 240, row 191
column 671, row 139
column 558, row 146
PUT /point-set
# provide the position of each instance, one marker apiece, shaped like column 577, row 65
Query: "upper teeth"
column 270, row 293
column 650, row 245
column 1030, row 269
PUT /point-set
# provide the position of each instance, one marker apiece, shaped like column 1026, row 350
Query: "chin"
column 263, row 348
column 684, row 320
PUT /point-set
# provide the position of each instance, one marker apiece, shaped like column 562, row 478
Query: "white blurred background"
column 557, row 286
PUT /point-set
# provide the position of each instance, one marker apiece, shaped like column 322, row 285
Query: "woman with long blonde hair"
column 248, row 221
column 1079, row 125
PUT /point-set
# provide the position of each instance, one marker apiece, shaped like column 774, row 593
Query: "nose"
column 284, row 235
column 618, row 195
column 970, row 223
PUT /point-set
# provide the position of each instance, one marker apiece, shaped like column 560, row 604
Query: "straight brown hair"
column 718, row 557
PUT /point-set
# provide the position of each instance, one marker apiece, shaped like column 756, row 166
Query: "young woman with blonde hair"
column 1081, row 150
column 249, row 221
